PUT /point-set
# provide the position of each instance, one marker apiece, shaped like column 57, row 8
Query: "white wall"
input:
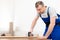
column 6, row 14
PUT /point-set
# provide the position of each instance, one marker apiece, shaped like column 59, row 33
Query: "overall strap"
column 47, row 23
column 48, row 11
column 57, row 21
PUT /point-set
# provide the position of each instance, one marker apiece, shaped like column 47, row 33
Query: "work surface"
column 17, row 38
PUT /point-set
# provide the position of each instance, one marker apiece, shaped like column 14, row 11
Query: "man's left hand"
column 42, row 38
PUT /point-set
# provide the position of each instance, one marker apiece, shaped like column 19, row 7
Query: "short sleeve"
column 52, row 12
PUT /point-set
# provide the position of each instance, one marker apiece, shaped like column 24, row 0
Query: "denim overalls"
column 55, row 35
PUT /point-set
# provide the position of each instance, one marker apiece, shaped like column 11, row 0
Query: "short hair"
column 39, row 3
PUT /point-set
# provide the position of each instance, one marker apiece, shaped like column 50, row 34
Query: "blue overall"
column 55, row 35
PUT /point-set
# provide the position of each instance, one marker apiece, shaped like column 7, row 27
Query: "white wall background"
column 6, row 14
column 22, row 12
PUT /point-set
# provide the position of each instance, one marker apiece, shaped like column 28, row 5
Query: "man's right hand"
column 30, row 34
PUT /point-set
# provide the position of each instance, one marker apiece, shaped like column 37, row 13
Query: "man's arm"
column 51, row 26
column 33, row 23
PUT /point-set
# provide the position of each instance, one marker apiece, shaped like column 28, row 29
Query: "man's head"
column 39, row 6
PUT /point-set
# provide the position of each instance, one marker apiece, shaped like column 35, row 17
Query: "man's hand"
column 42, row 38
column 30, row 34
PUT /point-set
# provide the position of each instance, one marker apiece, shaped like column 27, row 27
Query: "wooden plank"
column 19, row 38
column 14, row 37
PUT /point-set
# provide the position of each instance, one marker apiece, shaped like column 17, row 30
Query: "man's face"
column 40, row 9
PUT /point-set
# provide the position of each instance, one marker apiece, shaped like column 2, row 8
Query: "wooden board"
column 17, row 38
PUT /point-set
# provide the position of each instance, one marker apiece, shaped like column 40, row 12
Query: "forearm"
column 32, row 25
column 50, row 29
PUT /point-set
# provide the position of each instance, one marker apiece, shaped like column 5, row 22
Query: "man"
column 49, row 16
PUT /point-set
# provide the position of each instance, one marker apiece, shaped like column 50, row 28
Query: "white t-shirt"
column 52, row 13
